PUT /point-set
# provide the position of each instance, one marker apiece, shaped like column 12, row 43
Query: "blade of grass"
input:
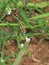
column 40, row 16
column 19, row 56
column 38, row 5
column 8, row 24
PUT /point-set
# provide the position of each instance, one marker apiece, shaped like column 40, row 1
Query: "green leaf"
column 19, row 56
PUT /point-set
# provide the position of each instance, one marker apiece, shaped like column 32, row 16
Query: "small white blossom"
column 27, row 39
column 9, row 12
column 22, row 45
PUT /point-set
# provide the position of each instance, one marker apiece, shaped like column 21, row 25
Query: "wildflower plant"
column 19, row 31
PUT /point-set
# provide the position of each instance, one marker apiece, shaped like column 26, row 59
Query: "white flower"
column 27, row 39
column 9, row 12
column 22, row 45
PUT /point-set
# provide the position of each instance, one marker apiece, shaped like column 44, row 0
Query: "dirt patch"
column 40, row 52
column 36, row 53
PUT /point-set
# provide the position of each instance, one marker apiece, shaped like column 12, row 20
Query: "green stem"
column 19, row 57
column 40, row 16
column 8, row 24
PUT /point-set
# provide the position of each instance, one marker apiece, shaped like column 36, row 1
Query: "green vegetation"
column 24, row 20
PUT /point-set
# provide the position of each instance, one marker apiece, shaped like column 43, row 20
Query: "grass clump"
column 18, row 29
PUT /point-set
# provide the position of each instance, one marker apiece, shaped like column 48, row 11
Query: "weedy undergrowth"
column 18, row 29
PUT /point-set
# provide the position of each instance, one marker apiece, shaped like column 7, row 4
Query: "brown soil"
column 40, row 54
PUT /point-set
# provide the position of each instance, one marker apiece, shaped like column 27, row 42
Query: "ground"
column 40, row 54
column 36, row 54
